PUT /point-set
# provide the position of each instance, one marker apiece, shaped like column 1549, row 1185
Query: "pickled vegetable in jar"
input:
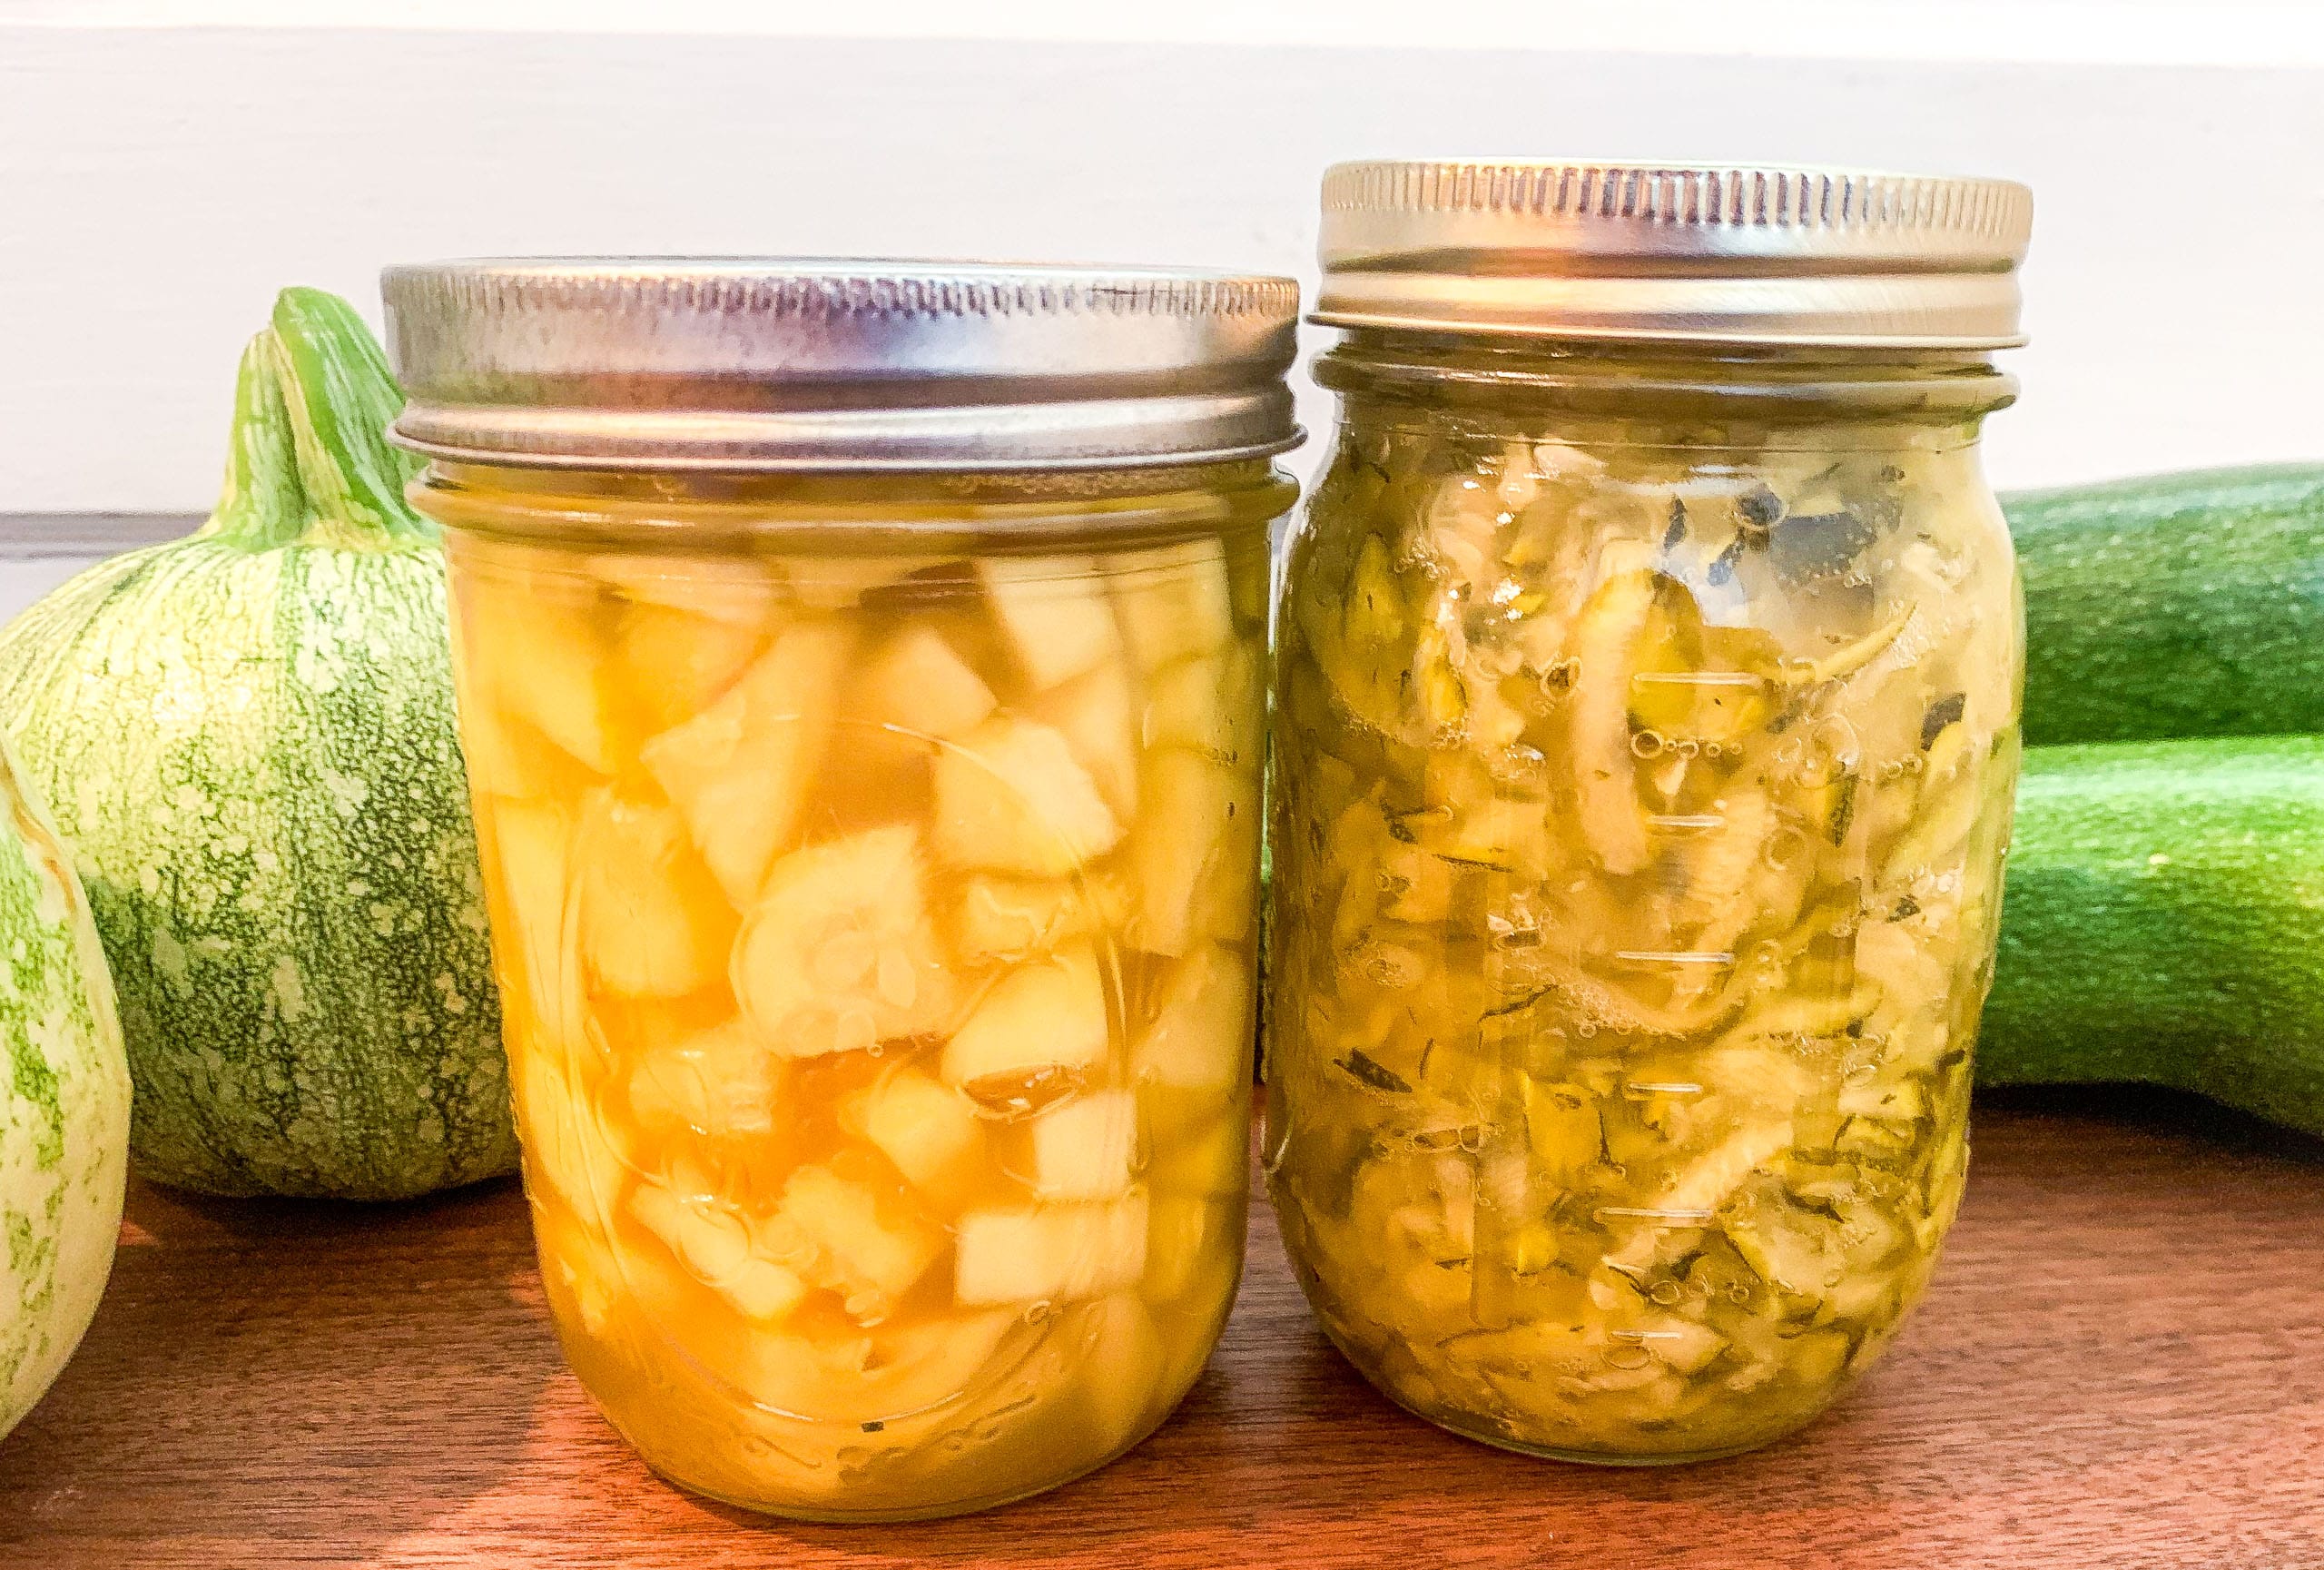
column 1646, row 701
column 867, row 775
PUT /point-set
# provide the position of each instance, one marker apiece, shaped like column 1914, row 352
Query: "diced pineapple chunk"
column 1008, row 918
column 728, row 589
column 1250, row 585
column 1085, row 1148
column 564, row 1147
column 881, row 1375
column 1053, row 1254
column 1053, row 609
column 739, row 770
column 926, row 1129
column 652, row 924
column 1094, row 713
column 1210, row 704
column 1186, row 836
column 508, row 756
column 1226, row 900
column 1046, row 1014
column 1209, row 1158
column 836, row 1233
column 583, row 1279
column 1173, row 602
column 530, row 845
column 761, row 1291
column 715, row 1245
column 839, row 953
column 1012, row 798
column 533, row 649
column 1201, row 1032
column 1186, row 1236
column 919, row 685
column 719, row 1082
column 674, row 663
column 1121, row 1371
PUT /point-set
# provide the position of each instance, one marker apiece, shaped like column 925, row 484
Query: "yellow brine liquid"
column 872, row 871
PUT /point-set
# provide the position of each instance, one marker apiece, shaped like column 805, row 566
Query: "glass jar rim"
column 980, row 512
column 1776, row 381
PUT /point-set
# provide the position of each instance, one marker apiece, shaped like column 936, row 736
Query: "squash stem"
column 262, row 504
column 309, row 461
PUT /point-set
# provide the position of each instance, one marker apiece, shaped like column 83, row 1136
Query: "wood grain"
column 2122, row 1364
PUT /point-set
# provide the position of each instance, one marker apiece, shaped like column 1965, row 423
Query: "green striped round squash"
column 63, row 1106
column 248, row 739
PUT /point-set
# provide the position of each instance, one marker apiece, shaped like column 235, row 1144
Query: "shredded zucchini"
column 1623, row 984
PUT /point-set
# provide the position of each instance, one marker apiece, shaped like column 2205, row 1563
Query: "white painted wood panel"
column 24, row 581
column 157, row 184
column 2147, row 32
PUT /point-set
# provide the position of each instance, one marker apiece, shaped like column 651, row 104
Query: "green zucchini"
column 247, row 737
column 64, row 1104
column 2180, row 605
column 2164, row 923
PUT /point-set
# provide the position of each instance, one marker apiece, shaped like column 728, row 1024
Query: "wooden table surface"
column 2122, row 1364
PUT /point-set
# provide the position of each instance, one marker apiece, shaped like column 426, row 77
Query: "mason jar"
column 1645, row 726
column 861, row 674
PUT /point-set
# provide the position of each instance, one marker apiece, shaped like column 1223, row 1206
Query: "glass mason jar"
column 865, row 739
column 1645, row 720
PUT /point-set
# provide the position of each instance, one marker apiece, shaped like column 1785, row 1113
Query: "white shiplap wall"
column 157, row 183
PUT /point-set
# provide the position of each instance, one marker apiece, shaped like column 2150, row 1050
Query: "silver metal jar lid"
column 775, row 364
column 1709, row 253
